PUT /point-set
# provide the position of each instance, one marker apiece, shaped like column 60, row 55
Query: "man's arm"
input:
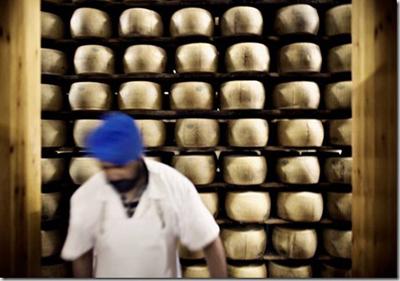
column 82, row 267
column 216, row 261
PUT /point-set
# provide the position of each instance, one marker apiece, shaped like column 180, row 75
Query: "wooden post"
column 374, row 29
column 20, row 138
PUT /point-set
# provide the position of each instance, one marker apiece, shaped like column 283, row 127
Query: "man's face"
column 117, row 173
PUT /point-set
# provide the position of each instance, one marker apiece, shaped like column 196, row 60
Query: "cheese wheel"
column 89, row 22
column 299, row 18
column 295, row 243
column 192, row 95
column 196, row 57
column 140, row 22
column 242, row 20
column 53, row 133
column 300, row 206
column 300, row 57
column 298, row 170
column 153, row 158
column 244, row 170
column 339, row 206
column 247, row 271
column 248, row 132
column 191, row 22
column 50, row 205
column 244, row 244
column 53, row 61
column 337, row 243
column 338, row 20
column 82, row 168
column 247, row 56
column 196, row 271
column 300, row 132
column 52, row 169
column 210, row 200
column 55, row 271
column 185, row 253
column 298, row 94
column 153, row 132
column 338, row 95
column 82, row 129
column 52, row 242
column 330, row 271
column 140, row 95
column 340, row 132
column 248, row 206
column 197, row 132
column 90, row 96
column 51, row 97
column 339, row 59
column 338, row 169
column 277, row 270
column 144, row 59
column 242, row 94
column 94, row 59
column 51, row 26
column 203, row 172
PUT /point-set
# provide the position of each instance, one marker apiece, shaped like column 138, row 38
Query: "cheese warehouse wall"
column 251, row 102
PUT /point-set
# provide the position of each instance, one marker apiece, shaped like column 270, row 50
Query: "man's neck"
column 135, row 193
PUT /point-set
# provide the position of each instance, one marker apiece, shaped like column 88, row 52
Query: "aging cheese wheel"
column 329, row 271
column 53, row 133
column 300, row 57
column 340, row 132
column 90, row 96
column 51, row 26
column 298, row 94
column 190, row 22
column 94, row 59
column 247, row 56
column 144, row 59
column 337, row 243
column 248, row 132
column 52, row 242
column 338, row 20
column 247, row 271
column 242, row 94
column 339, row 206
column 153, row 132
column 339, row 59
column 140, row 95
column 53, row 61
column 197, row 132
column 83, row 128
column 295, row 243
column 192, row 95
column 50, row 205
column 242, row 20
column 338, row 95
column 140, row 22
column 89, row 22
column 244, row 244
column 298, row 170
column 244, row 170
column 299, row 18
column 196, row 271
column 51, row 97
column 185, row 253
column 300, row 206
column 203, row 172
column 338, row 169
column 196, row 57
column 52, row 169
column 248, row 206
column 55, row 271
column 82, row 168
column 276, row 270
column 300, row 132
column 210, row 200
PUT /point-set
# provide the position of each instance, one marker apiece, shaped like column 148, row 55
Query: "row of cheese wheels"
column 193, row 21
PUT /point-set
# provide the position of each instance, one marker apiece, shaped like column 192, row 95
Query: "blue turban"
column 117, row 140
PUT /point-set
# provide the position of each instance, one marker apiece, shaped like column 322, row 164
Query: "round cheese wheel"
column 330, row 271
column 55, row 271
column 340, row 132
column 300, row 206
column 192, row 95
column 202, row 173
column 50, row 205
column 144, row 59
column 185, row 253
column 295, row 243
column 153, row 132
column 300, row 57
column 52, row 242
column 242, row 20
column 244, row 170
column 94, row 59
column 210, row 200
column 197, row 132
column 53, row 133
column 300, row 132
column 51, row 26
column 82, row 168
column 140, row 22
column 196, row 57
column 338, row 169
column 196, row 271
column 339, row 206
column 248, row 132
column 247, row 271
column 242, row 94
column 298, row 94
column 51, row 97
column 277, row 270
column 53, row 61
column 244, row 244
column 90, row 96
column 89, row 22
column 83, row 128
column 338, row 20
column 337, row 243
column 190, row 22
column 140, row 95
column 339, row 59
column 338, row 95
column 299, row 18
column 298, row 170
column 248, row 206
column 52, row 169
column 247, row 56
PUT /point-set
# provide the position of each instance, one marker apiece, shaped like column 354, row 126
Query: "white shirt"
column 145, row 245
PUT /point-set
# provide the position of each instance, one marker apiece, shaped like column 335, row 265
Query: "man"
column 127, row 220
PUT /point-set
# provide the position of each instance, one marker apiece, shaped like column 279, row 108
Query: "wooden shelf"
column 278, row 221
